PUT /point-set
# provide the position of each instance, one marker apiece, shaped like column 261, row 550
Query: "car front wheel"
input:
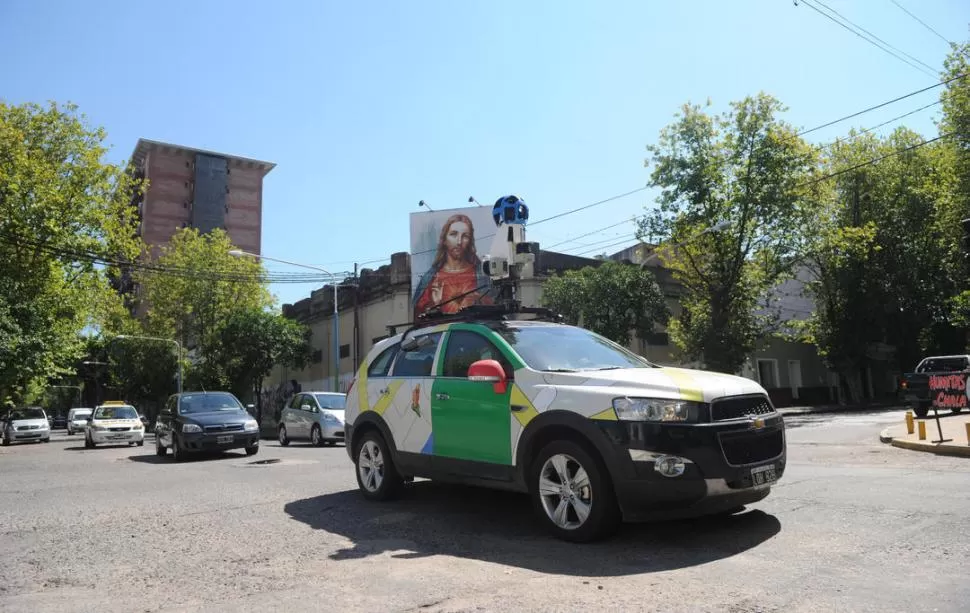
column 572, row 494
column 252, row 450
column 315, row 437
column 284, row 439
column 377, row 476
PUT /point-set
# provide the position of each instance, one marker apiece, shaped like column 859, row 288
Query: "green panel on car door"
column 470, row 420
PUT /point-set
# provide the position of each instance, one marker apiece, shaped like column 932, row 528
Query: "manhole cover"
column 265, row 462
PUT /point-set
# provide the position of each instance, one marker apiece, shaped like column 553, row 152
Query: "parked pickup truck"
column 915, row 386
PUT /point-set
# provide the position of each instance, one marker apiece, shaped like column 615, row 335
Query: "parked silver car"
column 314, row 416
column 24, row 425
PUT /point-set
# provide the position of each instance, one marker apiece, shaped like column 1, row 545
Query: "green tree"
column 744, row 171
column 202, row 288
column 61, row 207
column 251, row 342
column 612, row 299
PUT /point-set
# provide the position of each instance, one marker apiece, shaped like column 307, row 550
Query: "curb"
column 885, row 437
column 947, row 450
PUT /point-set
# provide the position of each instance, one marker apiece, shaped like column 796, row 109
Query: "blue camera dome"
column 510, row 209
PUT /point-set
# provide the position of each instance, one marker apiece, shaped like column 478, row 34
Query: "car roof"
column 431, row 328
column 324, row 393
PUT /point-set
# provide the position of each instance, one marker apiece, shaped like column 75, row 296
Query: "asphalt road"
column 855, row 525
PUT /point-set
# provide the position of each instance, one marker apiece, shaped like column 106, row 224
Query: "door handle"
column 442, row 396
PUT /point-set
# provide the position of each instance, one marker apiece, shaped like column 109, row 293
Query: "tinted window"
column 382, row 363
column 205, row 403
column 944, row 365
column 465, row 348
column 418, row 363
column 119, row 412
column 567, row 348
column 331, row 401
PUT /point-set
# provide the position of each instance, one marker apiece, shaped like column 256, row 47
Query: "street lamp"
column 239, row 253
column 178, row 348
column 715, row 228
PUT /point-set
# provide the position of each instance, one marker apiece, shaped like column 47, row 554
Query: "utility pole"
column 356, row 320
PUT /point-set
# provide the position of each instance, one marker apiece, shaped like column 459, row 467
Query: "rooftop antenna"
column 472, row 199
column 425, row 205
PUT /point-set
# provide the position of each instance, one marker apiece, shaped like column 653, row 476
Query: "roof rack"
column 476, row 312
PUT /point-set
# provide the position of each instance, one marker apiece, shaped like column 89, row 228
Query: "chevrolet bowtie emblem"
column 757, row 423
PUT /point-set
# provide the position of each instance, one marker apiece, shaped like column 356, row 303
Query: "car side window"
column 418, row 363
column 382, row 363
column 465, row 348
column 295, row 402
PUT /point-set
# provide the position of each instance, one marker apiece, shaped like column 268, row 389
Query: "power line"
column 575, row 238
column 847, row 20
column 874, row 160
column 589, row 206
column 924, row 24
column 604, row 247
column 611, row 239
column 863, row 37
column 876, row 127
column 880, row 105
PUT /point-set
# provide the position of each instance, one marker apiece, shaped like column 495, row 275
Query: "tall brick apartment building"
column 201, row 189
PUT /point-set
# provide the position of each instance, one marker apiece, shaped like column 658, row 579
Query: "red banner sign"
column 949, row 391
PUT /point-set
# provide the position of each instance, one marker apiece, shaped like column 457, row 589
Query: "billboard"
column 446, row 266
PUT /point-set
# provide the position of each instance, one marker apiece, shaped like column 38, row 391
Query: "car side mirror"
column 306, row 407
column 489, row 371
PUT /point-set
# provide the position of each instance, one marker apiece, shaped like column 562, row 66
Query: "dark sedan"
column 194, row 422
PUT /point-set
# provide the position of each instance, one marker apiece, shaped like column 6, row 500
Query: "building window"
column 344, row 351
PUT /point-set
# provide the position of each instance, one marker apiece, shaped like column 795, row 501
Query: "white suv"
column 593, row 432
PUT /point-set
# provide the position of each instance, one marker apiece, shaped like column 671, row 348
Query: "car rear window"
column 943, row 365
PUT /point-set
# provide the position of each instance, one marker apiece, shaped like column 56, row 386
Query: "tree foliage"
column 192, row 305
column 60, row 202
column 746, row 173
column 250, row 343
column 612, row 299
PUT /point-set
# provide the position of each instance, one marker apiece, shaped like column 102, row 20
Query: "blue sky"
column 369, row 107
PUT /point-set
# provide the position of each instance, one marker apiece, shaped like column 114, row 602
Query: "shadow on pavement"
column 152, row 458
column 442, row 519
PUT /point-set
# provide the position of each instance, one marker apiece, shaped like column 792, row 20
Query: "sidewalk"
column 953, row 426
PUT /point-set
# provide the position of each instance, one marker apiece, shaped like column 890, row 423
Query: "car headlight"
column 330, row 418
column 138, row 426
column 98, row 428
column 251, row 426
column 191, row 428
column 655, row 409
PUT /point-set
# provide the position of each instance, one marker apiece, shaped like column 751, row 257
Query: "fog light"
column 669, row 466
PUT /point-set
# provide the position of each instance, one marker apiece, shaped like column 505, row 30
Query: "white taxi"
column 114, row 423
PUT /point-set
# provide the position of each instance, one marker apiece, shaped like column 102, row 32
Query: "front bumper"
column 77, row 426
column 117, row 437
column 333, row 432
column 719, row 458
column 204, row 441
column 29, row 435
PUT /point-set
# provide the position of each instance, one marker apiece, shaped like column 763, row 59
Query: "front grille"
column 751, row 447
column 740, row 406
column 119, row 429
column 225, row 428
column 28, row 427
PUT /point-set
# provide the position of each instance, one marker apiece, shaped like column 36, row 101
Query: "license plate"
column 763, row 475
column 117, row 437
column 222, row 440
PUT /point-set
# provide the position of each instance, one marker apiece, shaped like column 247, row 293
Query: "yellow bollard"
column 968, row 432
column 909, row 422
column 922, row 430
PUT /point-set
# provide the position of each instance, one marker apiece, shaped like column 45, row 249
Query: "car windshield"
column 207, row 403
column 81, row 413
column 331, row 401
column 27, row 414
column 116, row 412
column 568, row 349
